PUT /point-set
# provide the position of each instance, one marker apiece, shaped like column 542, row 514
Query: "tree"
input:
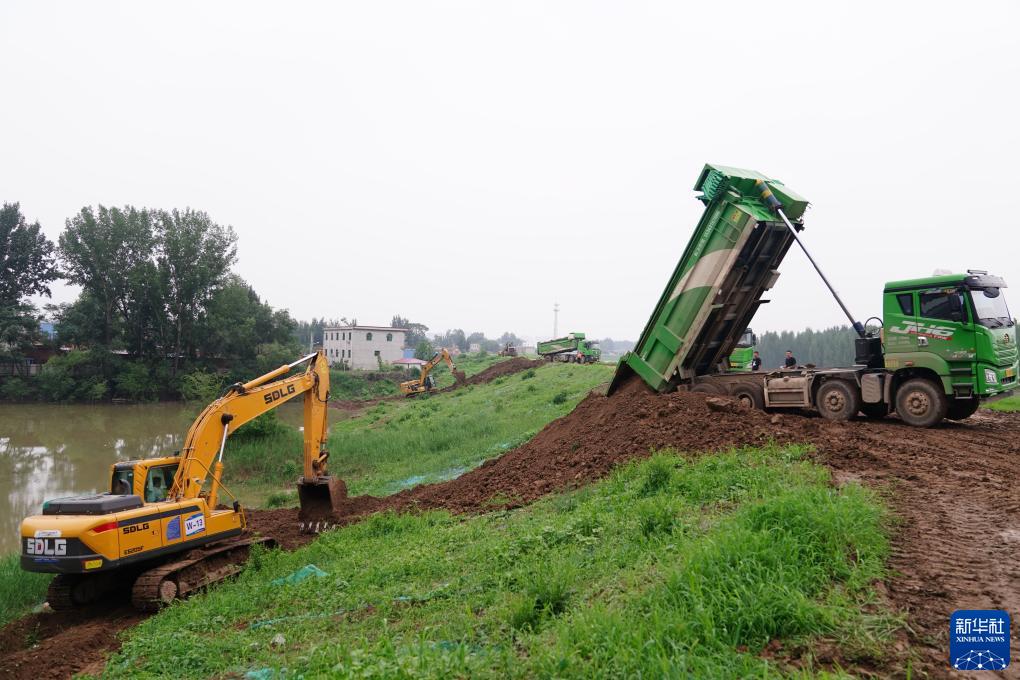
column 453, row 338
column 19, row 328
column 424, row 350
column 236, row 325
column 27, row 261
column 27, row 266
column 103, row 251
column 415, row 331
column 193, row 256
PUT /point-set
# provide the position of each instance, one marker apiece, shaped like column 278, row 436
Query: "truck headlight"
column 990, row 377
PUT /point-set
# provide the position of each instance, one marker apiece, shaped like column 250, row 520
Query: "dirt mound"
column 951, row 486
column 502, row 368
column 61, row 644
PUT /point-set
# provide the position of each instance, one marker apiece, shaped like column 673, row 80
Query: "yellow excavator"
column 161, row 526
column 425, row 382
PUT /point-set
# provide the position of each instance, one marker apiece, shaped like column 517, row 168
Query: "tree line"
column 159, row 303
column 832, row 346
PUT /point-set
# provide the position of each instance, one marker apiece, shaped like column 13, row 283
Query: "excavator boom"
column 424, row 383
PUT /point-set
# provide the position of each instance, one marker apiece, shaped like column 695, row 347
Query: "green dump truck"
column 572, row 348
column 946, row 343
column 741, row 356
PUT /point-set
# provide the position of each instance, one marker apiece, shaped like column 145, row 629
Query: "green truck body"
column 730, row 261
column 573, row 348
column 947, row 342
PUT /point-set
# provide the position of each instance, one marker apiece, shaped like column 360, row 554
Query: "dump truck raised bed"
column 572, row 348
column 948, row 342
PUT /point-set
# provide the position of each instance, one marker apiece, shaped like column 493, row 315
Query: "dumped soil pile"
column 502, row 368
column 952, row 487
column 61, row 644
column 586, row 444
column 578, row 448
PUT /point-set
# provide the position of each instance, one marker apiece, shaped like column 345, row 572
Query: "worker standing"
column 791, row 361
column 756, row 362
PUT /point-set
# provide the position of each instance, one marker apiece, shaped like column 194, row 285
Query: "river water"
column 53, row 450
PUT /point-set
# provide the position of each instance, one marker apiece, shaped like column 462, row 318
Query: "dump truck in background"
column 572, row 348
column 947, row 343
column 741, row 356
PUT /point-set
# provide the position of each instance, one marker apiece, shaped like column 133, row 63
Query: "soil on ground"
column 950, row 487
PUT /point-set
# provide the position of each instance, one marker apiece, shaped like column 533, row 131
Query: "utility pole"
column 556, row 319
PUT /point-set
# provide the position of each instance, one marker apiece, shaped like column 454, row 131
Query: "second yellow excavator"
column 161, row 527
column 425, row 382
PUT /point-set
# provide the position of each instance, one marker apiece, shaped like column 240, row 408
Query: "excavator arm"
column 412, row 387
column 202, row 453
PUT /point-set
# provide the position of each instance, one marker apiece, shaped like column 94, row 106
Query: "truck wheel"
column 750, row 396
column 961, row 409
column 838, row 400
column 875, row 411
column 921, row 403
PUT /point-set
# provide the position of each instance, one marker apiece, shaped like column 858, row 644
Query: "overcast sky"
column 469, row 164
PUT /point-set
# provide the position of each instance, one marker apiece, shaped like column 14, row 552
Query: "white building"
column 363, row 346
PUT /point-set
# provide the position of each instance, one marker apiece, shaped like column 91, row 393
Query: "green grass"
column 398, row 444
column 669, row 568
column 20, row 591
column 1009, row 404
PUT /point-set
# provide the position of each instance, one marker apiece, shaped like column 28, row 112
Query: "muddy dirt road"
column 952, row 488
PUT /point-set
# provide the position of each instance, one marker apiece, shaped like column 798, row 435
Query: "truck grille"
column 1005, row 356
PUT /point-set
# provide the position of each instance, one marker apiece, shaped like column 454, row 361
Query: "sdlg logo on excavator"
column 276, row 395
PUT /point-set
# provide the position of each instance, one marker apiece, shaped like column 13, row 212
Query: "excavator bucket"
column 320, row 499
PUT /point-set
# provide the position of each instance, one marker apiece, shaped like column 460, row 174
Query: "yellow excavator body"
column 424, row 383
column 161, row 524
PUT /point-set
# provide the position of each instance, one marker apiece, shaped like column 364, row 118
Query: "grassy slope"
column 402, row 443
column 366, row 385
column 19, row 590
column 668, row 568
column 1007, row 404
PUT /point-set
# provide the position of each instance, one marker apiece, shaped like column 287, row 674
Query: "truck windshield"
column 990, row 307
column 747, row 339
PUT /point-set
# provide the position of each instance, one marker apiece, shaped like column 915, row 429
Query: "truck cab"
column 955, row 330
column 741, row 356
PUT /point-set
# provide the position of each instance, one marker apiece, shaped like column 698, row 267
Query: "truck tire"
column 875, row 411
column 750, row 396
column 838, row 400
column 921, row 403
column 961, row 409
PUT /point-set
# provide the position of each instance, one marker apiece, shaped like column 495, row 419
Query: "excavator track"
column 198, row 569
column 70, row 591
column 60, row 594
